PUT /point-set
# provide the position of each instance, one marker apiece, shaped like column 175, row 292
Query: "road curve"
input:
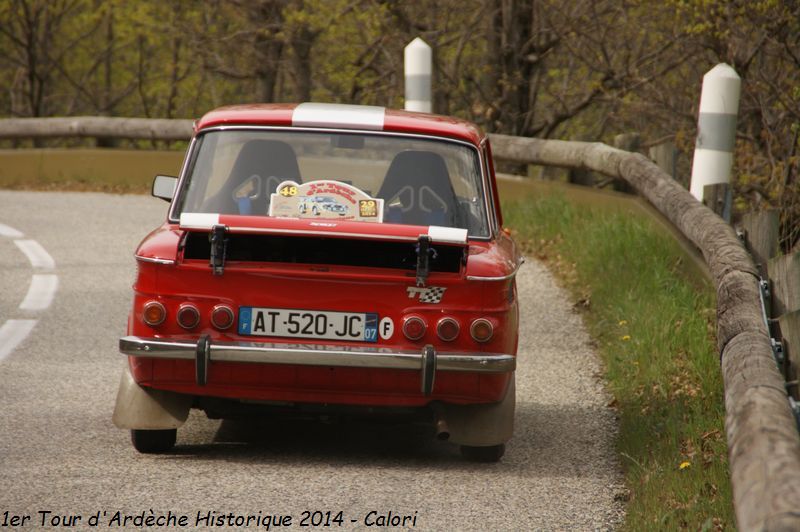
column 60, row 453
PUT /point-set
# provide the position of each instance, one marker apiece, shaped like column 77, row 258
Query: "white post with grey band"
column 716, row 129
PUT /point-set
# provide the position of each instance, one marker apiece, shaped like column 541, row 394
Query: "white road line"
column 41, row 292
column 36, row 254
column 9, row 232
column 12, row 333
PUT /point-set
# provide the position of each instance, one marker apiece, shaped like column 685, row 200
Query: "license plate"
column 295, row 323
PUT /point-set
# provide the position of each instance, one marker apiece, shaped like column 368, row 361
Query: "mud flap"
column 482, row 425
column 146, row 409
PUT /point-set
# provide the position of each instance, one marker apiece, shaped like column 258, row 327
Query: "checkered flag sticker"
column 431, row 294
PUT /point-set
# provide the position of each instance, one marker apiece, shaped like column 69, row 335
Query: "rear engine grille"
column 320, row 250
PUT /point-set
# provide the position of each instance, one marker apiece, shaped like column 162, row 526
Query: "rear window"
column 376, row 178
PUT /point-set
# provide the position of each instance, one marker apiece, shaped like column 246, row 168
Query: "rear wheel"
column 489, row 453
column 153, row 441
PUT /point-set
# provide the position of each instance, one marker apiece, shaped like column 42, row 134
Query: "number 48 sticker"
column 288, row 190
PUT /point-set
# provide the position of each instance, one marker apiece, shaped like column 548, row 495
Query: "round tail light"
column 447, row 329
column 481, row 330
column 414, row 328
column 154, row 313
column 222, row 317
column 188, row 316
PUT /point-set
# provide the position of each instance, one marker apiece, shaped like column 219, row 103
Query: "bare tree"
column 32, row 31
column 248, row 44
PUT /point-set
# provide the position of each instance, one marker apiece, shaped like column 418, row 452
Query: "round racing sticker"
column 386, row 328
column 324, row 199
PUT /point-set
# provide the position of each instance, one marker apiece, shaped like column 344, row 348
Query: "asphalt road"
column 59, row 452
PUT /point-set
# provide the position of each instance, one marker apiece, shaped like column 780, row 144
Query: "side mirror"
column 164, row 187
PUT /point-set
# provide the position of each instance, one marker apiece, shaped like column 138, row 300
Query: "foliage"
column 584, row 69
column 654, row 330
column 760, row 39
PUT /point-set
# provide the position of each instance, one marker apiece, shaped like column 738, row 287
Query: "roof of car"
column 342, row 116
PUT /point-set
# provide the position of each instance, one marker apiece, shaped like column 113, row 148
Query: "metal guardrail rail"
column 763, row 442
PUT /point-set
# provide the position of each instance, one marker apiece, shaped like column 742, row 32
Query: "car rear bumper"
column 427, row 360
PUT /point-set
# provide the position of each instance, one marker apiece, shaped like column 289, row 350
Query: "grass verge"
column 655, row 334
column 102, row 170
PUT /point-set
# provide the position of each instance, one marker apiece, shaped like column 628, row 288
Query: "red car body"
column 427, row 314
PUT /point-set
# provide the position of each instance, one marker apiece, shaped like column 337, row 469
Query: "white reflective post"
column 418, row 69
column 716, row 129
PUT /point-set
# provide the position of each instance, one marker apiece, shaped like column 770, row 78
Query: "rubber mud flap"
column 482, row 425
column 144, row 408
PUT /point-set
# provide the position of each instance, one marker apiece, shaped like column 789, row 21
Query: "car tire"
column 489, row 453
column 153, row 441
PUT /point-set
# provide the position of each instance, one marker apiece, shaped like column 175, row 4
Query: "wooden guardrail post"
column 717, row 197
column 784, row 274
column 665, row 155
column 628, row 142
column 761, row 230
column 789, row 326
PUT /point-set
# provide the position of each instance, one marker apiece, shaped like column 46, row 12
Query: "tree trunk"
column 302, row 44
column 268, row 15
column 108, row 85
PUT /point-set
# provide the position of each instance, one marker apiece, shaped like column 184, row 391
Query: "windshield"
column 347, row 176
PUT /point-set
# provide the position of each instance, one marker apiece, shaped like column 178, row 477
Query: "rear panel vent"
column 333, row 251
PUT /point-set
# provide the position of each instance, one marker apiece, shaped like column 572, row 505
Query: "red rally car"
column 324, row 256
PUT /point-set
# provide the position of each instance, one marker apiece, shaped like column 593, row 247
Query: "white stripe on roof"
column 339, row 116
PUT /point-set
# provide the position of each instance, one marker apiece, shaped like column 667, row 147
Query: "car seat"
column 273, row 161
column 417, row 190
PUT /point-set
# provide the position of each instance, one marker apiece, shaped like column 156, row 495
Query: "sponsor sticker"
column 368, row 208
column 325, row 199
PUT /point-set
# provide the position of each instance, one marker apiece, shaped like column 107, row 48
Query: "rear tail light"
column 154, row 313
column 447, row 329
column 222, row 317
column 188, row 316
column 481, row 330
column 414, row 328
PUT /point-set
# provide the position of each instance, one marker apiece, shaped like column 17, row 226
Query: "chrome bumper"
column 426, row 360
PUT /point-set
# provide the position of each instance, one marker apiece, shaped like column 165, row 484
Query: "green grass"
column 655, row 332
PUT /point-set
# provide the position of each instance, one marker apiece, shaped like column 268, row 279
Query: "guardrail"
column 763, row 441
column 780, row 287
column 96, row 126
